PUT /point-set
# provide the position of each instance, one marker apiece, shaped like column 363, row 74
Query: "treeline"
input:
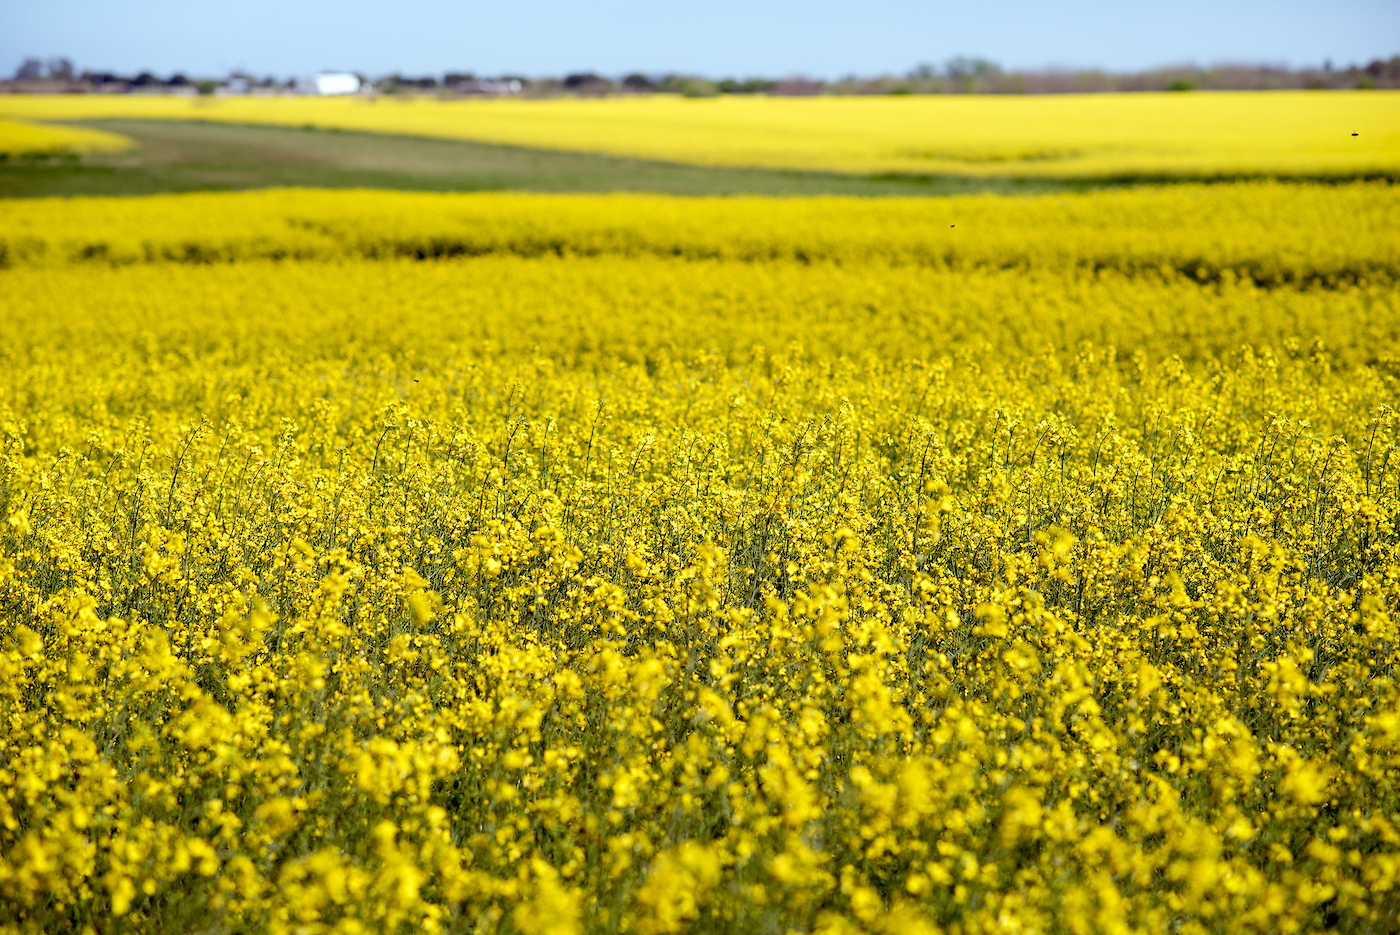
column 980, row 76
column 956, row 76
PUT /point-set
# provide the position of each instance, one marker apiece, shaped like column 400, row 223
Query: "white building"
column 336, row 82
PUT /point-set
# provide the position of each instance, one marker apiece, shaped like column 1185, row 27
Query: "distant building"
column 484, row 86
column 336, row 82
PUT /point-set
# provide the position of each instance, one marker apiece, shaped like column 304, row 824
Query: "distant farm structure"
column 336, row 82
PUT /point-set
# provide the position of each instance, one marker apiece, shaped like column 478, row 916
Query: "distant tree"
column 206, row 87
column 747, row 86
column 967, row 73
column 697, row 87
column 962, row 68
column 145, row 79
column 31, row 69
column 637, row 82
column 177, row 80
column 797, row 87
column 582, row 79
column 61, row 69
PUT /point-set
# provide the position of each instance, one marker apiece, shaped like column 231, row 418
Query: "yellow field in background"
column 19, row 138
column 1063, row 136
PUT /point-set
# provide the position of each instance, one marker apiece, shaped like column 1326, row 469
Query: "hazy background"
column 816, row 38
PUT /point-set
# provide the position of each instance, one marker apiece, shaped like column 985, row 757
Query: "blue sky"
column 718, row 38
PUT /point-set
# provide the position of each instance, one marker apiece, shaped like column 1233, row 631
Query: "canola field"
column 1299, row 134
column 379, row 562
column 21, row 139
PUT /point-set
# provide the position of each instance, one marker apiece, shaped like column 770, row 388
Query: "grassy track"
column 177, row 156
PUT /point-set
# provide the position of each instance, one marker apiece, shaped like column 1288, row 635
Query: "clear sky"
column 718, row 38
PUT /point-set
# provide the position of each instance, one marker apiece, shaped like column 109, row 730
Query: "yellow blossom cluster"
column 1299, row 134
column 645, row 583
